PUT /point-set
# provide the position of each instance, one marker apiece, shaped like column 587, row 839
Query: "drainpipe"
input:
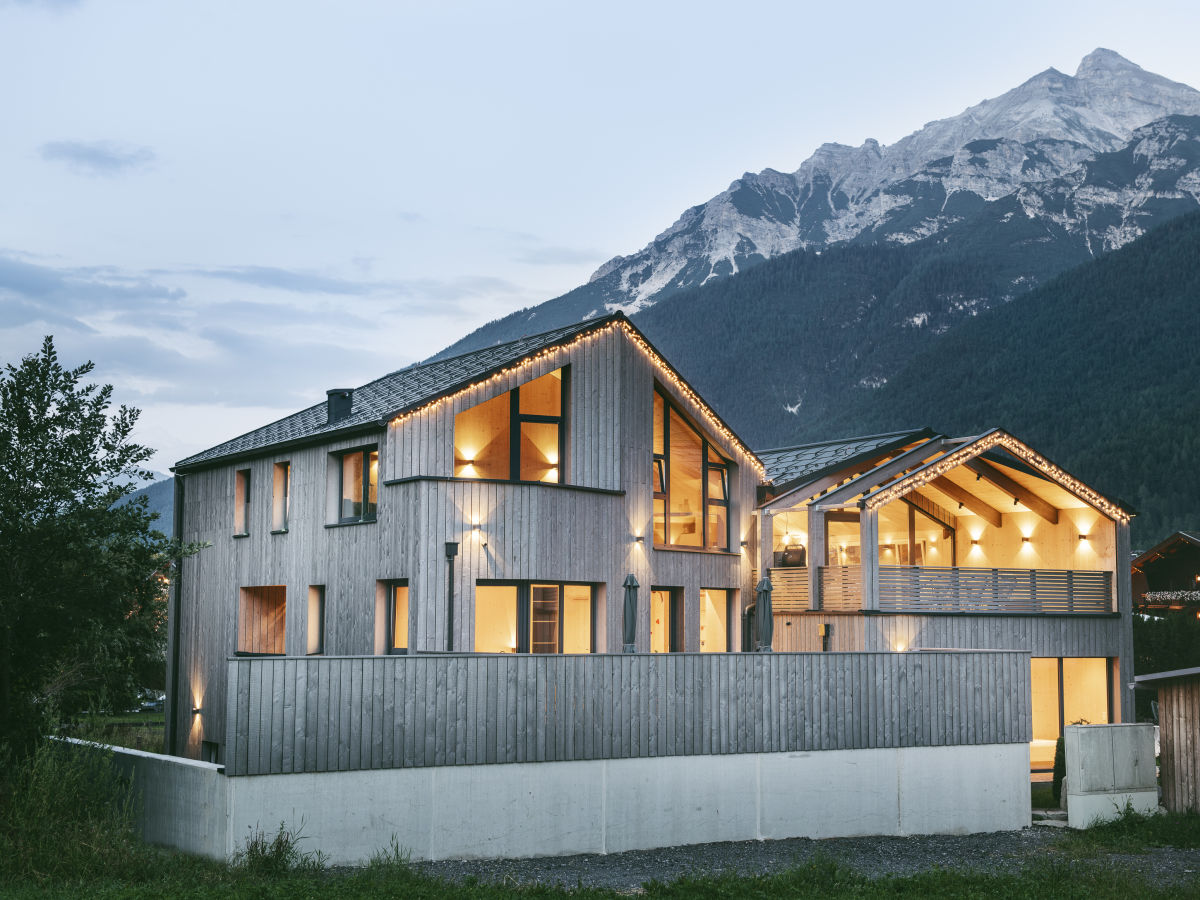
column 173, row 616
column 451, row 552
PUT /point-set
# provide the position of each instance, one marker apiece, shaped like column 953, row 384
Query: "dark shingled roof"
column 377, row 401
column 787, row 466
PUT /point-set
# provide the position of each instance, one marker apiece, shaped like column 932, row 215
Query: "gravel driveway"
column 1007, row 851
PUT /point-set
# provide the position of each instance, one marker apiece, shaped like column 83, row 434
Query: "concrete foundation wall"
column 593, row 806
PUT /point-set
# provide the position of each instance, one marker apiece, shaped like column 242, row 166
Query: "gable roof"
column 788, row 465
column 408, row 390
column 1161, row 548
column 377, row 401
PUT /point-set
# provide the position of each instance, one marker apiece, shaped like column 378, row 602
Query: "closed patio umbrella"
column 762, row 615
column 631, row 589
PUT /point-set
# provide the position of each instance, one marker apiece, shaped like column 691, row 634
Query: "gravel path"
column 874, row 856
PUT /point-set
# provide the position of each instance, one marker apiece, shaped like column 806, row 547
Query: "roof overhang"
column 977, row 446
column 1160, row 549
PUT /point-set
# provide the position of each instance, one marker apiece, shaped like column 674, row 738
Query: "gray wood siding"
column 330, row 714
column 532, row 532
column 1179, row 719
column 1036, row 635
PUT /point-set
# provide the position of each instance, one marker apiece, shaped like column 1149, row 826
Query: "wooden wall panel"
column 473, row 710
column 1179, row 740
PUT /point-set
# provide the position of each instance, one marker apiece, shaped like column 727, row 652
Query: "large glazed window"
column 714, row 620
column 666, row 620
column 262, row 614
column 690, row 480
column 1066, row 691
column 533, row 618
column 517, row 436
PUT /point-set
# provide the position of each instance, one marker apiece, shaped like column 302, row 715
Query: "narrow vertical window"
column 316, row 619
column 666, row 620
column 398, row 618
column 281, row 494
column 714, row 621
column 241, row 501
column 543, row 618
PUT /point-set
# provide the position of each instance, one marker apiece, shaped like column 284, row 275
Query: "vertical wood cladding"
column 335, row 714
column 1179, row 739
column 583, row 532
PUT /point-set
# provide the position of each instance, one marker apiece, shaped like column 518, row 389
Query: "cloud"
column 55, row 290
column 102, row 158
column 549, row 255
column 290, row 280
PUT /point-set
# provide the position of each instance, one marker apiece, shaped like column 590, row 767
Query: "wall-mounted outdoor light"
column 639, row 539
column 196, row 710
column 1025, row 539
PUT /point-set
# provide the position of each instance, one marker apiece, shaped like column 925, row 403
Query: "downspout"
column 451, row 552
column 173, row 616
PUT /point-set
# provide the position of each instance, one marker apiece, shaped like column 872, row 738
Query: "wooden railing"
column 789, row 590
column 319, row 714
column 841, row 588
column 971, row 590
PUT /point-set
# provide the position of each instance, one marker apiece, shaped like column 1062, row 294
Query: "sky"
column 230, row 207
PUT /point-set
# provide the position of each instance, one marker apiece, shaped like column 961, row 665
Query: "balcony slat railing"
column 841, row 588
column 950, row 589
column 996, row 591
column 789, row 590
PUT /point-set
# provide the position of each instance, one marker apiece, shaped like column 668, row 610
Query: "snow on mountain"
column 840, row 192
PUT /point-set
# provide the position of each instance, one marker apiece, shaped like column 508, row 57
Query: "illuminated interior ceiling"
column 997, row 498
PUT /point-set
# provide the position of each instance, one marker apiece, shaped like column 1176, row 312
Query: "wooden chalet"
column 1167, row 576
column 550, row 549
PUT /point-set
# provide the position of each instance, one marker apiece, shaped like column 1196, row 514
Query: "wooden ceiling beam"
column 1018, row 492
column 969, row 500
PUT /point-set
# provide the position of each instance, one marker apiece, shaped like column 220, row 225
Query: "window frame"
column 524, row 610
column 241, row 482
column 281, row 506
column 320, row 596
column 516, row 418
column 661, row 478
column 365, row 452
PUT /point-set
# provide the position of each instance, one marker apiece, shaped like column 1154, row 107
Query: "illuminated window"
column 398, row 617
column 517, row 436
column 281, row 493
column 316, row 619
column 690, row 480
column 1066, row 691
column 714, row 620
column 533, row 618
column 666, row 620
column 241, row 502
column 357, row 474
column 262, row 615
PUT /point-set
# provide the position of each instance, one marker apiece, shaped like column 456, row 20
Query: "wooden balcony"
column 945, row 589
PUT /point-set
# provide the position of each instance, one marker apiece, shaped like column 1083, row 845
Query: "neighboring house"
column 1167, row 576
column 498, row 503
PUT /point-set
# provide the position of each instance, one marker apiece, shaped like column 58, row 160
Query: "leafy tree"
column 82, row 596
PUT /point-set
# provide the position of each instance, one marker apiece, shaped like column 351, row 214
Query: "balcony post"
column 1124, row 606
column 868, row 538
column 816, row 554
column 766, row 542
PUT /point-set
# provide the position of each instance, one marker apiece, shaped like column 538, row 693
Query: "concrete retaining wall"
column 593, row 806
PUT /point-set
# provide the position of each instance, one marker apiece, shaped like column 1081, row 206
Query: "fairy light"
column 666, row 374
column 996, row 438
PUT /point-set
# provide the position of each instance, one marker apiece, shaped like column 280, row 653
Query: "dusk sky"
column 231, row 207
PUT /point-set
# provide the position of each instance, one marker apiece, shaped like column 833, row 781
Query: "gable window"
column 533, row 618
column 281, row 494
column 241, row 502
column 690, row 480
column 517, row 436
column 262, row 614
column 357, row 475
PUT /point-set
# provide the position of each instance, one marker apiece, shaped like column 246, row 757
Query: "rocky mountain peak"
column 1102, row 62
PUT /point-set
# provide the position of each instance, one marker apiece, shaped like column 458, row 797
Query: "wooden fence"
column 317, row 714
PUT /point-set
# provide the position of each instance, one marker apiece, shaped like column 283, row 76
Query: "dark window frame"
column 365, row 452
column 677, row 618
column 516, row 418
column 282, row 527
column 242, row 476
column 320, row 651
column 524, row 609
column 661, row 479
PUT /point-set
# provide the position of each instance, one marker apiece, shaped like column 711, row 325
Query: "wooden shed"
column 1179, row 736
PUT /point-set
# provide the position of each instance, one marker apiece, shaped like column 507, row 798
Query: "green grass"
column 136, row 730
column 66, row 831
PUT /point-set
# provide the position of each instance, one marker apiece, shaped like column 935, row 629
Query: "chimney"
column 339, row 403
